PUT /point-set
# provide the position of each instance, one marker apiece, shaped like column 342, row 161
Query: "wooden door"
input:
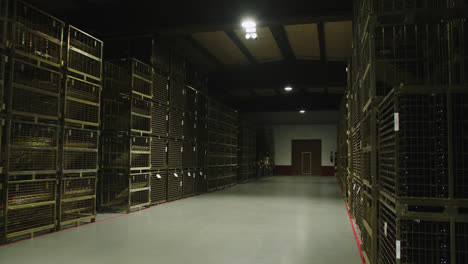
column 314, row 147
column 306, row 163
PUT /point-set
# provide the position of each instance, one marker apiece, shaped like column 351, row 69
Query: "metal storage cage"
column 191, row 99
column 176, row 124
column 139, row 82
column 159, row 153
column 178, row 66
column 82, row 102
column 30, row 205
column 35, row 34
column 84, row 55
column 189, row 182
column 201, row 155
column 201, row 181
column 127, row 114
column 35, row 91
column 161, row 88
column 174, row 154
column 460, row 142
column 4, row 25
column 124, row 189
column 158, row 186
column 189, row 152
column 123, row 151
column 161, row 58
column 201, row 105
column 177, row 94
column 77, row 198
column 201, row 129
column 159, row 120
column 189, row 126
column 80, row 150
column 175, row 185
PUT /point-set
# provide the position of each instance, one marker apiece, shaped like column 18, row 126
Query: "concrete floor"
column 290, row 220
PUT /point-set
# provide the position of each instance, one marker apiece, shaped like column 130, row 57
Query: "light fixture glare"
column 249, row 24
column 302, row 111
column 251, row 30
column 288, row 88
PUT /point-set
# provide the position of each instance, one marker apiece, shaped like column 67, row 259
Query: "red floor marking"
column 352, row 225
column 113, row 217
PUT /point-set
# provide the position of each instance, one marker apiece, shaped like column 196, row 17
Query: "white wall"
column 284, row 134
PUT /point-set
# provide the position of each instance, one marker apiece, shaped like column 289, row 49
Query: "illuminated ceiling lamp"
column 302, row 111
column 250, row 29
column 288, row 88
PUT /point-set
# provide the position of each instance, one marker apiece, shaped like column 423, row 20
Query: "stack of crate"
column 407, row 99
column 201, row 139
column 222, row 145
column 126, row 135
column 342, row 143
column 247, row 152
column 160, row 125
column 81, row 102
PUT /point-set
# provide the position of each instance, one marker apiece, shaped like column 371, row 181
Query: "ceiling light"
column 302, row 111
column 254, row 35
column 288, row 88
column 249, row 24
column 248, row 36
column 251, row 30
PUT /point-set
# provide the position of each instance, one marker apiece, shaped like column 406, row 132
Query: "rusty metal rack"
column 35, row 34
column 158, row 186
column 82, row 102
column 30, row 205
column 83, row 55
column 35, row 92
column 175, row 189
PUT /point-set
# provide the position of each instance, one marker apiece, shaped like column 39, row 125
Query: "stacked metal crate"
column 31, row 79
column 81, row 105
column 201, row 141
column 407, row 100
column 222, row 145
column 247, row 153
column 125, row 180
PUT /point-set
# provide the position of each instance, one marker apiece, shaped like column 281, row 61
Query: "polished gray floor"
column 287, row 220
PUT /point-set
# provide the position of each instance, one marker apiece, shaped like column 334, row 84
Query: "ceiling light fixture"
column 250, row 29
column 302, row 111
column 288, row 88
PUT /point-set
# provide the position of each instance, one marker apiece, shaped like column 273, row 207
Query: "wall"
column 288, row 126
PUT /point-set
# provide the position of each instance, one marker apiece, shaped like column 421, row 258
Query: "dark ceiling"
column 253, row 86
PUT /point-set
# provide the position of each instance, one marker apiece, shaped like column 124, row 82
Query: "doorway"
column 306, row 157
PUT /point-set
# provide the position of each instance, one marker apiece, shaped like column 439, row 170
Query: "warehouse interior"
column 234, row 131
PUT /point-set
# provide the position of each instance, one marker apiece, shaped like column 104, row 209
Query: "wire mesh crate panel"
column 76, row 185
column 80, row 160
column 141, row 124
column 115, row 151
column 31, row 159
column 139, row 143
column 32, row 76
column 177, row 95
column 81, row 138
column 30, row 192
column 30, row 135
column 200, row 181
column 84, row 42
column 190, row 100
column 83, row 90
column 356, row 141
column 175, row 185
column 114, row 188
column 201, row 155
column 189, row 182
column 32, row 103
column 178, row 66
column 461, row 242
column 175, row 154
column 159, row 119
column 81, row 112
column 141, row 107
column 387, row 235
column 140, row 198
column 158, row 153
column 189, row 127
column 188, row 155
column 140, row 160
column 161, row 58
column 142, row 70
column 22, row 220
column 83, row 65
column 201, row 130
column 117, row 80
column 158, row 186
column 116, row 115
column 357, row 203
column 142, row 86
column 176, row 123
column 140, row 180
column 160, row 88
column 74, row 210
column 201, row 105
column 387, row 148
column 460, row 127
